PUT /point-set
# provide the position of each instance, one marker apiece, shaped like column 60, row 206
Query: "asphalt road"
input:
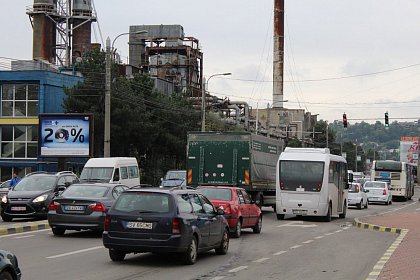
column 289, row 249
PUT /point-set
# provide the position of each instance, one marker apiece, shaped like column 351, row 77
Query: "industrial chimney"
column 82, row 28
column 278, row 55
column 44, row 29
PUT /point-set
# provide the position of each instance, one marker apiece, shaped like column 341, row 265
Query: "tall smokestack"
column 278, row 55
column 82, row 27
column 44, row 30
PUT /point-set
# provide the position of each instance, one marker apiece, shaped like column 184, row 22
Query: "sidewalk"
column 18, row 227
column 404, row 259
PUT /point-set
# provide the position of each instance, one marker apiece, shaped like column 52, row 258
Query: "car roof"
column 96, row 184
column 220, row 187
column 162, row 190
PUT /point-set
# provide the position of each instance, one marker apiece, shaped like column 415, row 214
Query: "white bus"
column 399, row 175
column 311, row 182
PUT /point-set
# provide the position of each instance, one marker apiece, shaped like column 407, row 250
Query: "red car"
column 240, row 211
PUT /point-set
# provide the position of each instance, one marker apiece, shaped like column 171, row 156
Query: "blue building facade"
column 24, row 95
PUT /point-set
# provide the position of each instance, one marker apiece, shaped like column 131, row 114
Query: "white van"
column 122, row 170
column 311, row 182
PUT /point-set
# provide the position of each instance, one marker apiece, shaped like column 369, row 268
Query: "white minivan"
column 122, row 170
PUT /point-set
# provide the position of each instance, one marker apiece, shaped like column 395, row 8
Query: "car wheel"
column 280, row 216
column 257, row 228
column 359, row 205
column 58, row 231
column 6, row 217
column 328, row 217
column 5, row 275
column 238, row 229
column 343, row 215
column 224, row 244
column 190, row 256
column 367, row 204
column 390, row 201
column 116, row 255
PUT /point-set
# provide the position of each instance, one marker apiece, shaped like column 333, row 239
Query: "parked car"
column 4, row 188
column 240, row 211
column 9, row 267
column 357, row 196
column 174, row 178
column 379, row 192
column 82, row 206
column 164, row 220
column 31, row 197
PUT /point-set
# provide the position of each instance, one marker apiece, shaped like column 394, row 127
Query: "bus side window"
column 116, row 175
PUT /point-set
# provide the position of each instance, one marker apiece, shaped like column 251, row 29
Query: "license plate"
column 300, row 189
column 299, row 212
column 139, row 225
column 16, row 208
column 74, row 208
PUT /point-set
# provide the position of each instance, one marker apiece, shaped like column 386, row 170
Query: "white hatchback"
column 357, row 196
column 379, row 192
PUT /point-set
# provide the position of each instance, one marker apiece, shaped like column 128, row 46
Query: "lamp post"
column 203, row 100
column 107, row 125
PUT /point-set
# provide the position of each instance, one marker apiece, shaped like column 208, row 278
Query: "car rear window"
column 354, row 188
column 217, row 193
column 374, row 185
column 143, row 202
column 85, row 191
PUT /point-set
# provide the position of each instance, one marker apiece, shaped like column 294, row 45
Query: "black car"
column 9, row 267
column 82, row 206
column 165, row 221
column 31, row 197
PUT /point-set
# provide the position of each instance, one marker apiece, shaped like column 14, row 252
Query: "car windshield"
column 173, row 182
column 354, row 188
column 374, row 185
column 305, row 174
column 5, row 185
column 96, row 174
column 142, row 202
column 175, row 175
column 217, row 193
column 85, row 191
column 36, row 183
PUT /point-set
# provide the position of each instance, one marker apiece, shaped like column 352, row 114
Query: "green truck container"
column 238, row 159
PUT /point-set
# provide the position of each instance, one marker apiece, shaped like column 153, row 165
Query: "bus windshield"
column 295, row 175
column 388, row 166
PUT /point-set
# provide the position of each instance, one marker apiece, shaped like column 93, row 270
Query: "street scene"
column 257, row 139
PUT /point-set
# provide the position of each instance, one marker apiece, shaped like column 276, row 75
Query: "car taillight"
column 384, row 193
column 226, row 208
column 97, row 207
column 318, row 187
column 282, row 185
column 107, row 221
column 54, row 206
column 357, row 189
column 176, row 226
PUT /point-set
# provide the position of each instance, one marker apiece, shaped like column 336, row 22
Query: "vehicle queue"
column 183, row 220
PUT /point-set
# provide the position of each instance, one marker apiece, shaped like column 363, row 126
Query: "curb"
column 20, row 229
column 367, row 226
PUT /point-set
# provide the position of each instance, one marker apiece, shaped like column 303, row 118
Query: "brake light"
column 97, row 207
column 107, row 221
column 357, row 188
column 384, row 193
column 282, row 185
column 226, row 208
column 176, row 226
column 54, row 206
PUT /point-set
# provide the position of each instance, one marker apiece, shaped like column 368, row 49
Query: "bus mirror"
column 350, row 177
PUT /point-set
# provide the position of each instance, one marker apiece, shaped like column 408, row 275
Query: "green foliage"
column 144, row 122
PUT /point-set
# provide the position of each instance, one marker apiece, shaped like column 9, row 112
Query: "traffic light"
column 386, row 119
column 345, row 120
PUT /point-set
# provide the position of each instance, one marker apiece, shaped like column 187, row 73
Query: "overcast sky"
column 326, row 41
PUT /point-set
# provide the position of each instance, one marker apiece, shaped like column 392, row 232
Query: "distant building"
column 23, row 95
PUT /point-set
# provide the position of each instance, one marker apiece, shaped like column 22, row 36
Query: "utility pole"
column 278, row 53
column 327, row 135
column 107, row 126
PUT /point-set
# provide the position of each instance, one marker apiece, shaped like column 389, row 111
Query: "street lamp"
column 203, row 99
column 107, row 126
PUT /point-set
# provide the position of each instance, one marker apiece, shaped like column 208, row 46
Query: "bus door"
column 341, row 168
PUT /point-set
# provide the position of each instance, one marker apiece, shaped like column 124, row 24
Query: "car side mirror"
column 220, row 211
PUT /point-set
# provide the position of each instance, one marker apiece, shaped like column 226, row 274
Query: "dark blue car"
column 9, row 267
column 164, row 221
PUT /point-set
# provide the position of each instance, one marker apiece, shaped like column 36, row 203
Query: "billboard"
column 65, row 135
column 409, row 149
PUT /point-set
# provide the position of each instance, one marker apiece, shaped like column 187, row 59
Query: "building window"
column 19, row 100
column 19, row 141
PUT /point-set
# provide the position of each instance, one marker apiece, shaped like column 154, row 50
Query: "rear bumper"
column 382, row 198
column 353, row 201
column 321, row 210
column 76, row 222
column 175, row 244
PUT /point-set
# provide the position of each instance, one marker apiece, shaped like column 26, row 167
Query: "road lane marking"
column 239, row 268
column 308, row 241
column 261, row 260
column 75, row 252
column 218, row 278
column 279, row 253
column 26, row 236
column 330, row 233
column 298, row 224
column 340, row 230
column 295, row 247
column 21, row 233
column 319, row 237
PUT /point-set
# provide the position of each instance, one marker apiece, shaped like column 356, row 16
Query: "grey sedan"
column 82, row 206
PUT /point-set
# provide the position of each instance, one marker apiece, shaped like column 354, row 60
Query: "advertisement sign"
column 65, row 135
column 409, row 149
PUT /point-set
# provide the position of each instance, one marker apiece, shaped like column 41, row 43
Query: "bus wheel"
column 328, row 217
column 343, row 215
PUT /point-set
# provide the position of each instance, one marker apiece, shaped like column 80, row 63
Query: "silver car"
column 379, row 192
column 357, row 196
